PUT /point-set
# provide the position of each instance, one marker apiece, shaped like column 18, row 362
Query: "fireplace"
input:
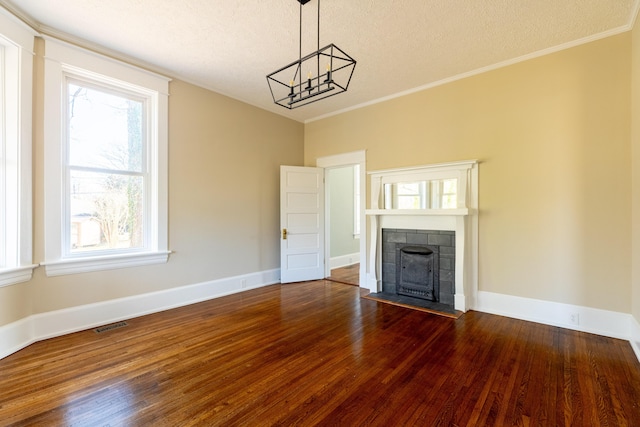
column 417, row 272
column 415, row 207
column 419, row 264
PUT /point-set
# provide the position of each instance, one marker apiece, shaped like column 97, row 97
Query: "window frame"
column 16, row 80
column 70, row 167
column 64, row 61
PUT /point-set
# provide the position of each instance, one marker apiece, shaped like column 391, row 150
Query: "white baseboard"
column 23, row 332
column 15, row 336
column 635, row 336
column 595, row 321
column 344, row 260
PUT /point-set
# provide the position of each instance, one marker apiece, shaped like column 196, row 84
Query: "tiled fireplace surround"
column 441, row 242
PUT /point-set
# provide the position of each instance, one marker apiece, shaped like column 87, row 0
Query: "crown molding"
column 634, row 14
column 20, row 15
column 537, row 54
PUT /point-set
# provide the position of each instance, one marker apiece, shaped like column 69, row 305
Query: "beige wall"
column 224, row 159
column 635, row 149
column 553, row 138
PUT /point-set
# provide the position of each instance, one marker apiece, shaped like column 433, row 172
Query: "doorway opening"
column 345, row 241
column 343, row 223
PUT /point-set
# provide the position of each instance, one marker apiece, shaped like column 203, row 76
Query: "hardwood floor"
column 315, row 353
column 349, row 275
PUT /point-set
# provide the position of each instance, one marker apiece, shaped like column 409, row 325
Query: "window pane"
column 106, row 211
column 105, row 129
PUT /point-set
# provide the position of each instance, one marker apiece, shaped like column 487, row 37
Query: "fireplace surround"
column 458, row 221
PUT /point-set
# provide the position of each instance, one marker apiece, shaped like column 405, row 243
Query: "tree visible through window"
column 106, row 169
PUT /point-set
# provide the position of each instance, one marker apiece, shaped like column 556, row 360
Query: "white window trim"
column 62, row 59
column 16, row 40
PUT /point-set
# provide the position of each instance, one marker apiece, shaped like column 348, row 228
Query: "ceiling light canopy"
column 318, row 75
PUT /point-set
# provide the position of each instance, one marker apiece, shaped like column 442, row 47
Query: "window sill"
column 13, row 275
column 111, row 262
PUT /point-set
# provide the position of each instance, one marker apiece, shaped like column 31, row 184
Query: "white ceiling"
column 399, row 45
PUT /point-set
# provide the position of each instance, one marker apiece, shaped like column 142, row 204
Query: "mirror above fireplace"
column 424, row 194
column 436, row 189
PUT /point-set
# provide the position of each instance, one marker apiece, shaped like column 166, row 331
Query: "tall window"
column 16, row 64
column 108, row 176
column 106, row 196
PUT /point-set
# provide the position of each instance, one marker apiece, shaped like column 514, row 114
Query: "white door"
column 301, row 223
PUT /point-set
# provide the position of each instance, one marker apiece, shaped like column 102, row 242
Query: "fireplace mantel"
column 418, row 212
column 462, row 219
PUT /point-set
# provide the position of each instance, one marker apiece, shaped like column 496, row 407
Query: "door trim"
column 347, row 159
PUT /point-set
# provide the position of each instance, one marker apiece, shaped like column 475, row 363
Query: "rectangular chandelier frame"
column 291, row 90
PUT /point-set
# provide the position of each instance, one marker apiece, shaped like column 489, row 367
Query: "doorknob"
column 284, row 234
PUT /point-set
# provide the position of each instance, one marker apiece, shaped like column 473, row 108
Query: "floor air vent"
column 106, row 328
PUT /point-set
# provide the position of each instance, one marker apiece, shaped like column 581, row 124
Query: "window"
column 16, row 64
column 106, row 163
column 108, row 179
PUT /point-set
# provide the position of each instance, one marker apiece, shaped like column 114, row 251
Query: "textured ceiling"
column 399, row 45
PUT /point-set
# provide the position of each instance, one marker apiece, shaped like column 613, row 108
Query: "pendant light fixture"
column 318, row 75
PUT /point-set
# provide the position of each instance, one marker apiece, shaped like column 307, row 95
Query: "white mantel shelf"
column 419, row 212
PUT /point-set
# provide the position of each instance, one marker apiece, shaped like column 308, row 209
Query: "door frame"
column 339, row 160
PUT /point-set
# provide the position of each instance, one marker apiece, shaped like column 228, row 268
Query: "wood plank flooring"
column 349, row 275
column 315, row 353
